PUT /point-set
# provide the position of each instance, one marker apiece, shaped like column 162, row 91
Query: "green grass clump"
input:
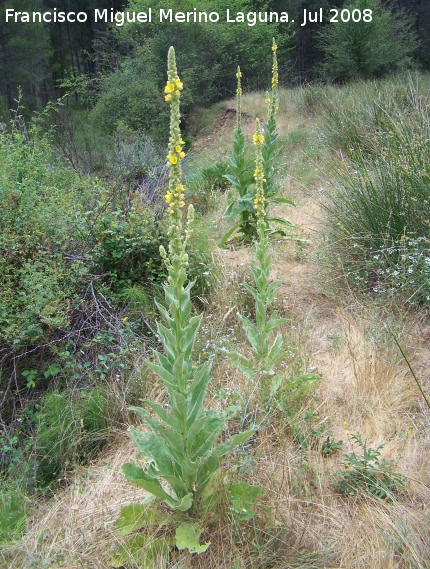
column 68, row 430
column 13, row 508
column 379, row 211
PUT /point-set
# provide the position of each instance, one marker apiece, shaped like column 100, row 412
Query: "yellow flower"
column 172, row 158
column 178, row 149
column 169, row 88
column 258, row 139
column 178, row 83
column 274, row 47
column 168, row 98
column 239, row 74
column 239, row 91
column 182, row 155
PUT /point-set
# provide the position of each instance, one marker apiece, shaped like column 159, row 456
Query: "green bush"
column 131, row 92
column 382, row 41
column 127, row 252
column 42, row 247
column 128, row 241
column 131, row 96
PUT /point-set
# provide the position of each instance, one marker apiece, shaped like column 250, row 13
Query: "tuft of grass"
column 68, row 429
column 379, row 208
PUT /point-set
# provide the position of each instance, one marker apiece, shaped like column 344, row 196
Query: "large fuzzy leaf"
column 187, row 537
column 137, row 476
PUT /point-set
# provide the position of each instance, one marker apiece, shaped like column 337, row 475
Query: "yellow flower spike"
column 259, row 200
column 273, row 102
column 175, row 155
column 239, row 100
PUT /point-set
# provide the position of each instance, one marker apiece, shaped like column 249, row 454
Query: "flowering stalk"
column 240, row 177
column 270, row 149
column 180, row 447
column 267, row 352
column 239, row 100
column 273, row 99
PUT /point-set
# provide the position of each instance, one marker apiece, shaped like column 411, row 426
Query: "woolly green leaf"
column 224, row 448
column 163, row 374
column 137, row 476
column 168, row 418
column 187, row 537
column 280, row 220
column 204, row 439
column 137, row 516
column 190, row 335
column 245, row 365
column 198, row 387
column 242, row 496
column 232, row 179
column 282, row 200
column 227, row 235
column 184, row 504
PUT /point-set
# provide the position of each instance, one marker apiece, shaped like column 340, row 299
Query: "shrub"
column 382, row 41
column 42, row 246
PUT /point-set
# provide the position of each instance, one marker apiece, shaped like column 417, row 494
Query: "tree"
column 208, row 53
column 382, row 41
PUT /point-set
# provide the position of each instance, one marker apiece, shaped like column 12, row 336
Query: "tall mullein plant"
column 241, row 179
column 267, row 350
column 179, row 449
column 270, row 148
